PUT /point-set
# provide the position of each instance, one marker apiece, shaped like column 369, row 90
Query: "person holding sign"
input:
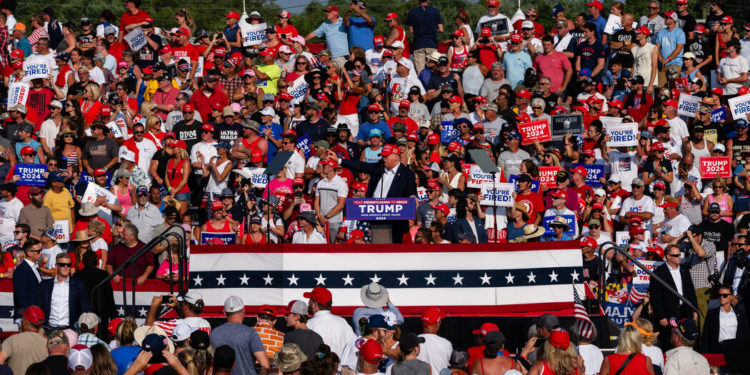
column 218, row 222
column 559, row 227
column 558, row 210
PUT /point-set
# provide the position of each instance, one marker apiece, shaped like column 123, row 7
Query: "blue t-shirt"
column 124, row 357
column 515, row 65
column 425, row 20
column 276, row 131
column 668, row 41
column 600, row 23
column 590, row 54
column 364, row 130
column 244, row 340
column 361, row 33
column 336, row 37
column 25, row 46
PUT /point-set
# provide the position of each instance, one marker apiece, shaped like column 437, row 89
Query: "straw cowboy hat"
column 374, row 295
column 81, row 236
column 530, row 231
column 141, row 332
column 88, row 209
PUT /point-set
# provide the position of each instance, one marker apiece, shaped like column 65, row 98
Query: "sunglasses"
column 724, row 295
column 17, row 232
column 188, row 112
column 536, row 108
column 143, row 194
column 34, row 251
column 52, row 164
column 301, row 63
column 594, row 226
column 140, row 132
column 63, row 264
column 675, row 255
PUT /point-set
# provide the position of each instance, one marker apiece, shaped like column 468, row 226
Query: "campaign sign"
column 740, row 106
column 534, row 183
column 564, row 124
column 252, row 35
column 449, row 132
column 534, row 131
column 622, row 238
column 498, row 26
column 421, row 195
column 718, row 114
column 90, row 179
column 304, row 143
column 614, row 23
column 713, row 166
column 609, row 120
column 497, row 194
column 643, row 278
column 547, row 176
column 136, row 39
column 623, row 134
column 18, row 93
column 570, row 219
column 299, row 88
column 381, row 209
column 35, row 67
column 477, row 177
column 31, row 174
column 616, row 305
column 62, row 231
column 680, row 84
column 688, row 105
column 94, row 191
column 199, row 67
column 208, row 238
column 259, row 178
column 595, row 172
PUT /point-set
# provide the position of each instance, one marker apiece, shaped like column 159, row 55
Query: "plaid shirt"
column 89, row 339
column 231, row 85
column 701, row 268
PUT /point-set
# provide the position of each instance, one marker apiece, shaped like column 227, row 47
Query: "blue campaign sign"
column 379, row 209
column 90, row 180
column 449, row 132
column 534, row 183
column 570, row 219
column 303, row 143
column 595, row 172
column 208, row 238
column 718, row 114
column 31, row 174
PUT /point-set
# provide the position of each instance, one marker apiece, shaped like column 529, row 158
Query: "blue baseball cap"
column 461, row 120
column 378, row 321
column 585, row 72
column 141, row 190
column 741, row 123
column 56, row 176
column 223, row 144
column 376, row 133
column 50, row 232
column 557, row 9
column 514, row 135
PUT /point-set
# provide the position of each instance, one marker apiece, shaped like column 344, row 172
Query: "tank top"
column 402, row 37
column 637, row 365
column 460, row 58
column 699, row 153
column 174, row 174
column 72, row 159
column 249, row 240
column 642, row 59
column 722, row 203
column 372, row 156
column 722, row 48
column 546, row 370
column 249, row 145
column 212, row 229
column 126, row 200
column 452, row 185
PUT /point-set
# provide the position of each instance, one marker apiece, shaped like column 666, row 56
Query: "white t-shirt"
column 655, row 353
column 624, row 165
column 678, row 128
column 49, row 131
column 674, row 227
column 9, row 212
column 328, row 192
column 315, row 238
column 213, row 185
column 295, row 164
column 645, row 204
column 436, row 351
column 733, row 68
column 49, row 259
column 97, row 75
column 592, row 358
column 146, row 150
column 99, row 244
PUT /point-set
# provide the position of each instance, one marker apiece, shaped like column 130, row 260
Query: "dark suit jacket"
column 729, row 272
column 403, row 186
column 26, row 291
column 78, row 299
column 710, row 336
column 462, row 226
column 667, row 305
column 102, row 300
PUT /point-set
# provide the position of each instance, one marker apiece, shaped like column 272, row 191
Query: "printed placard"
column 680, row 84
column 614, row 23
column 497, row 194
column 569, row 219
column 252, row 35
column 476, row 177
column 499, row 26
column 547, row 176
column 594, row 173
column 208, row 238
column 688, row 105
column 609, row 120
column 718, row 114
column 94, row 191
column 740, row 106
column 259, row 178
column 62, row 231
column 713, row 166
column 534, row 131
column 31, row 174
column 623, row 134
column 564, row 124
column 381, row 209
column 299, row 89
column 18, row 93
column 534, row 183
column 136, row 39
column 304, row 143
column 199, row 67
column 421, row 195
column 449, row 132
column 36, row 67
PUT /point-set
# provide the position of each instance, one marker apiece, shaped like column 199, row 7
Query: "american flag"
column 638, row 292
column 583, row 322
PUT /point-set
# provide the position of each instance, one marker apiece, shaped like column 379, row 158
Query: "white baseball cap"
column 233, row 304
column 527, row 25
column 80, row 356
column 182, row 332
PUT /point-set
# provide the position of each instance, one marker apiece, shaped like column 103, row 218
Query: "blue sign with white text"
column 208, row 238
column 534, row 183
column 570, row 219
column 380, row 209
column 31, row 174
column 595, row 172
column 303, row 143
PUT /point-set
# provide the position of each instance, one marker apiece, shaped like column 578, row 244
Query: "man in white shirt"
column 10, row 210
column 330, row 197
column 436, row 351
column 678, row 125
column 203, row 151
column 496, row 21
column 63, row 299
column 295, row 166
column 145, row 147
column 308, row 232
column 675, row 223
column 623, row 164
column 334, row 330
column 638, row 204
column 50, row 127
column 733, row 69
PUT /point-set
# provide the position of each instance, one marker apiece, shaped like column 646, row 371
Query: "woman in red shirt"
column 178, row 172
column 90, row 104
column 630, row 345
column 350, row 89
column 254, row 236
column 285, row 29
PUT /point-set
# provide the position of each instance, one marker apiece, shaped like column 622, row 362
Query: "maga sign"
column 31, row 174
column 252, row 35
column 688, row 105
column 713, row 166
column 547, row 176
column 740, row 106
column 381, row 209
column 623, row 134
column 534, row 131
column 500, row 195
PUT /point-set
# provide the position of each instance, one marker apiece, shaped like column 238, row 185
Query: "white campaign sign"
column 36, row 67
column 62, row 231
column 740, row 106
column 94, row 191
column 252, row 35
column 299, row 89
column 136, row 39
column 688, row 105
column 18, row 93
column 477, row 178
column 624, row 134
column 499, row 194
column 199, row 68
column 614, row 23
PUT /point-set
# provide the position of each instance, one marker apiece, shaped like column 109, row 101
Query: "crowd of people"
column 110, row 146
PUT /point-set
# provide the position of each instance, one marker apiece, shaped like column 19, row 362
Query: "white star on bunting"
column 293, row 280
column 574, row 275
column 198, row 280
column 348, row 280
column 532, row 277
column 244, row 279
column 268, row 279
column 430, row 279
column 120, row 311
column 509, row 278
column 375, row 278
column 142, row 311
column 320, row 280
column 402, row 280
column 553, row 276
column 485, row 279
column 220, row 279
column 458, row 279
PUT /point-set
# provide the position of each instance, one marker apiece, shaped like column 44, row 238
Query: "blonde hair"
column 630, row 340
column 151, row 122
column 96, row 92
column 103, row 364
column 720, row 181
column 187, row 358
column 562, row 361
column 96, row 226
column 645, row 324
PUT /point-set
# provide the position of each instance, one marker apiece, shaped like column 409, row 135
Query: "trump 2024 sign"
column 378, row 209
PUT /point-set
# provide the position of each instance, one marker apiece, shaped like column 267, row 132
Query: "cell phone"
column 283, row 36
column 167, row 299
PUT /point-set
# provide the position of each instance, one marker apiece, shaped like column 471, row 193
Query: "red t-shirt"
column 187, row 51
column 129, row 18
column 83, row 224
column 116, row 49
column 203, row 103
column 581, row 190
column 534, row 202
column 411, row 125
column 62, row 76
column 39, row 100
column 290, row 31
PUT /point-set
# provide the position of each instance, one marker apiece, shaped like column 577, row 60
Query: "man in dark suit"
column 26, row 279
column 666, row 305
column 726, row 331
column 102, row 301
column 388, row 179
column 63, row 299
column 733, row 275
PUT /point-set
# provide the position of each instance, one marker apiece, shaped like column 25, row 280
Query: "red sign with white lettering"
column 713, row 166
column 547, row 176
column 535, row 131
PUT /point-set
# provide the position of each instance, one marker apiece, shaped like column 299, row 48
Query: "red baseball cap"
column 588, row 242
column 458, row 32
column 658, row 146
column 433, row 139
column 233, row 14
column 580, row 170
column 442, row 207
column 671, row 103
column 455, row 99
column 166, row 49
column 727, row 19
column 453, row 146
column 660, row 184
column 478, row 126
column 286, row 96
column 220, row 52
column 636, row 229
column 360, row 186
column 523, row 117
column 617, row 103
column 320, row 295
column 594, row 99
column 371, row 352
column 17, row 53
column 493, row 3
column 100, row 172
column 405, row 103
column 558, row 110
column 216, row 205
column 188, row 108
column 267, row 309
column 597, row 206
column 18, row 65
column 208, row 127
column 181, row 144
column 391, row 16
column 524, row 94
column 390, row 150
column 217, row 106
column 27, row 150
column 148, row 70
column 432, row 316
column 355, row 235
column 681, row 2
column 559, row 194
column 559, row 338
column 288, row 132
column 332, row 8
column 668, row 204
column 412, row 137
column 656, row 249
column 588, row 152
column 432, row 184
column 700, row 29
column 643, row 30
column 596, row 4
column 485, row 329
column 298, row 182
column 330, row 162
column 34, row 315
column 743, row 90
column 516, row 38
column 718, row 91
column 480, row 99
column 105, row 111
column 373, row 107
column 486, row 32
column 112, row 326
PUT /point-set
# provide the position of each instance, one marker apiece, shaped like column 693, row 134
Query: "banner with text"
column 534, row 183
column 209, row 238
column 18, row 93
column 534, row 131
column 31, row 174
column 623, row 134
column 740, row 106
column 688, row 105
column 36, row 66
column 547, row 176
column 569, row 219
column 595, row 172
column 497, row 194
column 94, row 191
column 304, row 143
column 563, row 125
column 62, row 231
column 712, row 166
column 381, row 209
column 448, row 132
column 136, row 39
column 252, row 35
column 477, row 177
column 718, row 114
column 299, row 89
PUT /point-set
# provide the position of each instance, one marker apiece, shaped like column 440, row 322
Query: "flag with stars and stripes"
column 638, row 292
column 583, row 322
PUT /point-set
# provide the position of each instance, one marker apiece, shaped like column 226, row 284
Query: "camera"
column 741, row 258
column 714, row 279
column 298, row 194
column 167, row 299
